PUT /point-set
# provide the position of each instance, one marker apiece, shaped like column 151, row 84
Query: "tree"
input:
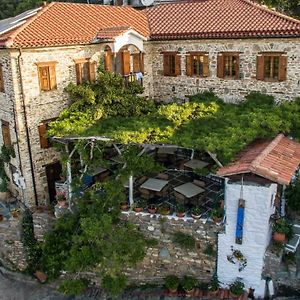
column 289, row 7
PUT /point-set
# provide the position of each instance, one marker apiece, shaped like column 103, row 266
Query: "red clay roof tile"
column 276, row 160
column 218, row 19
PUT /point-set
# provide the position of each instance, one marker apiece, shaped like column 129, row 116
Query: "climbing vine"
column 5, row 156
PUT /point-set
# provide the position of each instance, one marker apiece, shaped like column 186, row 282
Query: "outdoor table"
column 154, row 184
column 196, row 164
column 189, row 189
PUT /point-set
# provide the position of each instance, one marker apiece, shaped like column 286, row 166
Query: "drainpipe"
column 26, row 127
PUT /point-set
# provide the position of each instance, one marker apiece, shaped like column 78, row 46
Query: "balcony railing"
column 133, row 77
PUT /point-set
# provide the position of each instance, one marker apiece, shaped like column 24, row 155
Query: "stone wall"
column 168, row 88
column 11, row 248
column 168, row 258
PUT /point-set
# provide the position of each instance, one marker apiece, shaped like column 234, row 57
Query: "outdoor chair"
column 199, row 183
column 164, row 192
column 180, row 199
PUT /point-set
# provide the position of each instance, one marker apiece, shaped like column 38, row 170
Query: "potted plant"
column 180, row 211
column 172, row 283
column 196, row 212
column 152, row 208
column 217, row 215
column 61, row 199
column 236, row 288
column 164, row 209
column 281, row 229
column 124, row 206
column 213, row 287
column 139, row 205
column 188, row 284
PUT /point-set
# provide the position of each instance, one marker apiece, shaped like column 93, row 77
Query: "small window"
column 85, row 71
column 6, row 133
column 271, row 67
column 45, row 142
column 171, row 64
column 1, row 80
column 47, row 76
column 228, row 66
column 197, row 65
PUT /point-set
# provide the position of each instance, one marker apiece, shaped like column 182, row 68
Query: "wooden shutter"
column 166, row 64
column 1, row 79
column 220, row 66
column 43, row 138
column 6, row 134
column 92, row 71
column 44, row 78
column 205, row 65
column 142, row 63
column 188, row 66
column 52, row 75
column 78, row 73
column 282, row 68
column 136, row 62
column 237, row 75
column 177, row 65
column 126, row 62
column 108, row 61
column 260, row 67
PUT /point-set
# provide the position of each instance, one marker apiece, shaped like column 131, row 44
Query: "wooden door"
column 53, row 172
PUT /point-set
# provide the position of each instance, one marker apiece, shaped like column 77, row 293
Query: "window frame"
column 261, row 65
column 2, row 88
column 221, row 65
column 50, row 66
column 45, row 142
column 190, row 65
column 173, row 68
column 91, row 66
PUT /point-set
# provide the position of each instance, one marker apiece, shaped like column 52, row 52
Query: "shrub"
column 172, row 282
column 292, row 195
column 214, row 284
column 237, row 288
column 184, row 240
column 282, row 226
column 188, row 283
column 114, row 285
column 73, row 287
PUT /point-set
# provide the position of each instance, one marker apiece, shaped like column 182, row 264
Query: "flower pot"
column 62, row 203
column 217, row 220
column 232, row 295
column 196, row 217
column 190, row 293
column 279, row 237
column 180, row 214
column 124, row 206
column 152, row 209
column 213, row 293
column 138, row 209
column 164, row 212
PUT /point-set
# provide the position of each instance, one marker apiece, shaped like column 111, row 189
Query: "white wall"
column 256, row 233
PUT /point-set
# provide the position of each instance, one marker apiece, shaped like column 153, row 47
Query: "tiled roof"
column 72, row 23
column 276, row 160
column 112, row 32
column 218, row 19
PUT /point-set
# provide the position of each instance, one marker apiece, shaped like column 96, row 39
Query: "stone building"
column 174, row 50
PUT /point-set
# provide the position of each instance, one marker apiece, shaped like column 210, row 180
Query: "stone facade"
column 24, row 106
column 168, row 258
column 169, row 88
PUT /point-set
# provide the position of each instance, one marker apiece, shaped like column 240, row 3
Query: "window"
column 108, row 60
column 228, row 65
column 85, row 70
column 171, row 64
column 271, row 67
column 47, row 76
column 138, row 62
column 197, row 64
column 1, row 80
column 5, row 133
column 45, row 142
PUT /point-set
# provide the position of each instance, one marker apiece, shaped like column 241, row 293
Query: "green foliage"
column 292, row 195
column 290, row 7
column 217, row 213
column 184, row 240
column 172, row 282
column 30, row 243
column 94, row 238
column 73, row 286
column 237, row 287
column 214, row 284
column 5, row 156
column 189, row 283
column 282, row 226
